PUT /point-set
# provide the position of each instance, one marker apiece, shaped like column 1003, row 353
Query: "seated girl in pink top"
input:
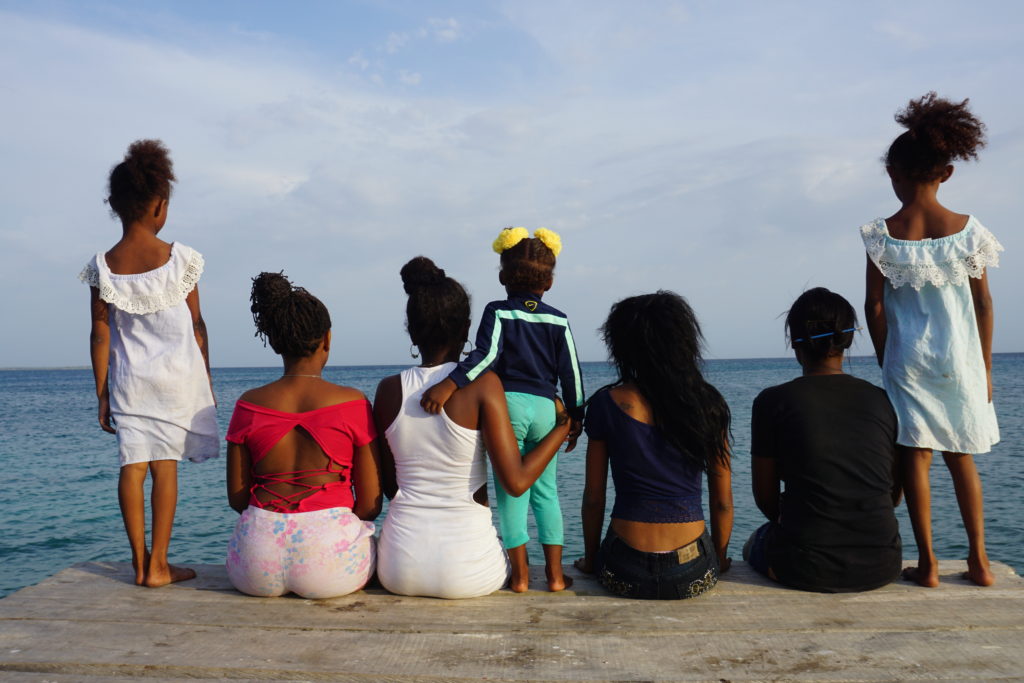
column 302, row 462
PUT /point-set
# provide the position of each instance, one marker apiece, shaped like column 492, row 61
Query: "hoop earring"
column 467, row 352
column 413, row 353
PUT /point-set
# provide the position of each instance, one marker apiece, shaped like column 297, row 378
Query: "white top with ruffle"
column 933, row 368
column 157, row 372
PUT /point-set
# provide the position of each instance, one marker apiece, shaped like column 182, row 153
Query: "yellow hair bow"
column 550, row 239
column 510, row 237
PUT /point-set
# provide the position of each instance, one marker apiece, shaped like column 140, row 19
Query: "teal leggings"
column 532, row 418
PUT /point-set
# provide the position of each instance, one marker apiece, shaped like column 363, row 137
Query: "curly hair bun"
column 949, row 126
column 421, row 272
column 938, row 131
column 145, row 172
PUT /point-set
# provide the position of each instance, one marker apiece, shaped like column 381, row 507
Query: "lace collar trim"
column 944, row 261
column 149, row 292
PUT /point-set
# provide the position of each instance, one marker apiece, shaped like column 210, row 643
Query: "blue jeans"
column 683, row 573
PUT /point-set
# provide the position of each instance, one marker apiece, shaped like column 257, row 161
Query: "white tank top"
column 436, row 540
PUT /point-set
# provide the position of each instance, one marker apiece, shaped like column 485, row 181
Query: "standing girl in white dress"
column 149, row 356
column 930, row 315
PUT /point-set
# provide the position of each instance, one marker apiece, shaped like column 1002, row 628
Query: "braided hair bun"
column 938, row 132
column 146, row 172
column 421, row 272
column 437, row 312
column 290, row 318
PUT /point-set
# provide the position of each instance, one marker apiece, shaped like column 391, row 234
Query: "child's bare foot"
column 978, row 571
column 519, row 582
column 929, row 578
column 140, row 564
column 157, row 577
column 557, row 581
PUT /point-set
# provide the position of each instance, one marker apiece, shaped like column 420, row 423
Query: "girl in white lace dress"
column 149, row 356
column 930, row 315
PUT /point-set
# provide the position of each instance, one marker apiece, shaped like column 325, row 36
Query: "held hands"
column 436, row 396
column 575, row 429
column 105, row 418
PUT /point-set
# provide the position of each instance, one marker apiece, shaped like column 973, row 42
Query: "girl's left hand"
column 988, row 376
column 724, row 563
column 106, row 419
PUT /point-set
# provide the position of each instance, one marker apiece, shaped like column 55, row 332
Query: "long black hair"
column 820, row 323
column 655, row 342
column 437, row 313
column 290, row 318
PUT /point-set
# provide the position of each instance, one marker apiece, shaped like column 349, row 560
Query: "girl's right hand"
column 988, row 376
column 106, row 419
column 584, row 564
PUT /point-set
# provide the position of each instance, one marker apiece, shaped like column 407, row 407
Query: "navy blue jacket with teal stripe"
column 530, row 346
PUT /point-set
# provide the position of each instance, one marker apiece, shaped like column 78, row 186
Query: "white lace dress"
column 160, row 394
column 933, row 368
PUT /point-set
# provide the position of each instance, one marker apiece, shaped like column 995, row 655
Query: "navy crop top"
column 653, row 481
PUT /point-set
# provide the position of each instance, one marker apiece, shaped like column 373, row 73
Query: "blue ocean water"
column 60, row 469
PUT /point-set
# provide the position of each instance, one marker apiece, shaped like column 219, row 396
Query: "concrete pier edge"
column 89, row 622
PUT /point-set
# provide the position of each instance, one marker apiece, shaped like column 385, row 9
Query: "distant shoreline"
column 392, row 365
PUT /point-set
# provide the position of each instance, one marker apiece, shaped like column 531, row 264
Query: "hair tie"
column 826, row 334
column 550, row 239
column 509, row 238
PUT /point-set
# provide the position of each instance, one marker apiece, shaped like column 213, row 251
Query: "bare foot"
column 169, row 574
column 978, row 572
column 557, row 581
column 519, row 583
column 140, row 565
column 921, row 576
column 520, row 563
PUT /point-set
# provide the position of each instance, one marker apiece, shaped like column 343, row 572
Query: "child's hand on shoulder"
column 435, row 397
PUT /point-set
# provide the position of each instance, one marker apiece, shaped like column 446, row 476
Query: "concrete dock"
column 89, row 623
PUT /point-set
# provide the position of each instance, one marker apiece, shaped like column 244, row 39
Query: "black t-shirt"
column 834, row 437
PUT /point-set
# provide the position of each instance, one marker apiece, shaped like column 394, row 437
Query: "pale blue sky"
column 725, row 151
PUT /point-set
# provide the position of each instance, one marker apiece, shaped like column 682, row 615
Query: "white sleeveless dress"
column 436, row 540
column 160, row 395
column 933, row 368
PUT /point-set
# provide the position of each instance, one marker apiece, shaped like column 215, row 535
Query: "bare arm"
column 874, row 309
column 366, row 481
column 766, row 486
column 386, row 405
column 199, row 330
column 592, row 511
column 99, row 354
column 985, row 315
column 720, row 502
column 239, row 477
column 516, row 473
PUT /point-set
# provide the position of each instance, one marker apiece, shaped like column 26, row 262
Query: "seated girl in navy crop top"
column 660, row 428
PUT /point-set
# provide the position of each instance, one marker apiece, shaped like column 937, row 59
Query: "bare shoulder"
column 339, row 393
column 630, row 401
